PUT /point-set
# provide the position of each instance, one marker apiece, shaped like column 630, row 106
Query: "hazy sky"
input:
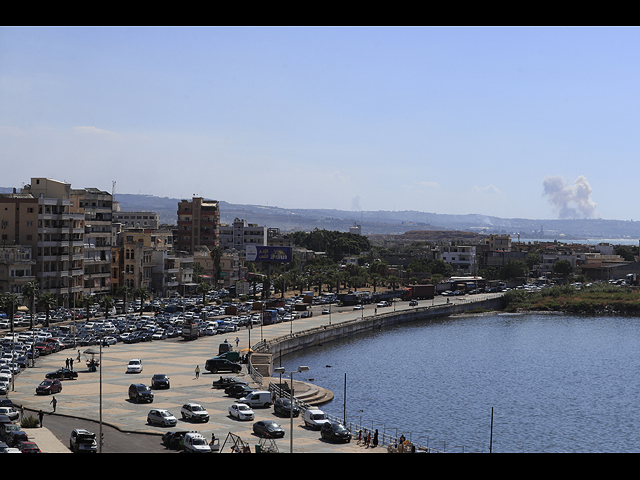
column 514, row 122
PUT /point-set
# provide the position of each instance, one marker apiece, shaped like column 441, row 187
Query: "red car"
column 49, row 386
column 28, row 447
column 44, row 348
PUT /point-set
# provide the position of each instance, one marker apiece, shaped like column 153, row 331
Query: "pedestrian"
column 78, row 355
column 21, row 412
column 368, row 440
column 197, row 371
column 71, row 363
column 375, row 438
column 40, row 417
column 66, row 363
column 237, row 342
column 359, row 436
column 54, row 402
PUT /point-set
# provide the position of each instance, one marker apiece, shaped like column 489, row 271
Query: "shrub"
column 29, row 422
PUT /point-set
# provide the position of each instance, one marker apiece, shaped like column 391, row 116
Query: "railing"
column 392, row 442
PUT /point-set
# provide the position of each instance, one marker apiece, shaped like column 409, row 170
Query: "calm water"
column 556, row 383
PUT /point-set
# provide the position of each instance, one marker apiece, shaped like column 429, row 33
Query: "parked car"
column 173, row 440
column 194, row 412
column 9, row 412
column 268, row 428
column 241, row 411
column 160, row 380
column 282, row 407
column 47, row 387
column 259, row 398
column 164, row 418
column 315, row 418
column 62, row 373
column 6, row 429
column 16, row 437
column 28, row 447
column 140, row 393
column 238, row 391
column 82, row 440
column 134, row 366
column 195, row 442
column 224, row 382
column 335, row 432
column 215, row 365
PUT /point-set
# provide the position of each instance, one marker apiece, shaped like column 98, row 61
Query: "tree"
column 143, row 294
column 203, row 288
column 31, row 290
column 49, row 302
column 563, row 268
column 513, row 270
column 9, row 304
column 86, row 302
column 216, row 256
column 106, row 303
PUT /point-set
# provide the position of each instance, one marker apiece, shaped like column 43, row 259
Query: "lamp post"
column 281, row 370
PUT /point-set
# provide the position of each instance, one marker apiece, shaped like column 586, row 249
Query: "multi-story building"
column 96, row 206
column 462, row 258
column 198, row 224
column 240, row 234
column 149, row 220
column 56, row 235
column 16, row 268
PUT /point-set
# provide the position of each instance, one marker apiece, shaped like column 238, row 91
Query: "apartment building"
column 44, row 219
column 149, row 220
column 16, row 268
column 461, row 258
column 240, row 234
column 198, row 224
column 97, row 206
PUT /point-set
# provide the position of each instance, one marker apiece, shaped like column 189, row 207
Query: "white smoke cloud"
column 571, row 201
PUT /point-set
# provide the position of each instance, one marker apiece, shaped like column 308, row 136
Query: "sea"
column 533, row 383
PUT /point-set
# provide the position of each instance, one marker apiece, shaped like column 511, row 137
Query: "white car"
column 241, row 411
column 195, row 442
column 134, row 366
column 358, row 307
column 163, row 418
column 9, row 412
column 194, row 412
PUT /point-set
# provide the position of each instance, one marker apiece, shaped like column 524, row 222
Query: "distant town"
column 69, row 244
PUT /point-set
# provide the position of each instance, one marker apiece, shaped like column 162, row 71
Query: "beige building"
column 198, row 224
column 16, row 268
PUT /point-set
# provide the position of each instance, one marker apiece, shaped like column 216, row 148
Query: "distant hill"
column 388, row 222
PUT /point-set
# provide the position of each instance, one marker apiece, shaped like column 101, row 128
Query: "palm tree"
column 143, row 294
column 48, row 301
column 216, row 256
column 31, row 290
column 86, row 302
column 124, row 291
column 203, row 288
column 107, row 304
column 9, row 303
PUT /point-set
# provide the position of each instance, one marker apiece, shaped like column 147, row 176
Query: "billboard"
column 262, row 253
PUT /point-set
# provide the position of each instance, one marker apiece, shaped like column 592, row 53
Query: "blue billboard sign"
column 263, row 253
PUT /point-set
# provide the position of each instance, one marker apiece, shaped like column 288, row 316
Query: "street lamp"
column 281, row 370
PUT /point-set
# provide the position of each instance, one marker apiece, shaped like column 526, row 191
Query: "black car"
column 335, row 432
column 238, row 391
column 173, row 440
column 160, row 380
column 215, row 365
column 268, row 428
column 63, row 373
column 225, row 382
column 140, row 393
column 282, row 407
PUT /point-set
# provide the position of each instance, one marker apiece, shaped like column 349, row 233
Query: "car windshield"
column 319, row 416
column 271, row 424
column 243, row 407
column 44, row 383
column 159, row 377
column 143, row 388
column 166, row 414
column 199, row 441
column 134, row 362
column 339, row 428
column 197, row 408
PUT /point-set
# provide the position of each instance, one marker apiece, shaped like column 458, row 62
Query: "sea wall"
column 327, row 333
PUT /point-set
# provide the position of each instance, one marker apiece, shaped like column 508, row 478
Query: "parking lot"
column 177, row 359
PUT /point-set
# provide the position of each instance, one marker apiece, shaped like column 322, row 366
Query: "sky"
column 531, row 122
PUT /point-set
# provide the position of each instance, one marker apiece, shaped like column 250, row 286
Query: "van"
column 259, row 398
column 196, row 443
column 315, row 418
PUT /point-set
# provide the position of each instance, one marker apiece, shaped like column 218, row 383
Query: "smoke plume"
column 571, row 201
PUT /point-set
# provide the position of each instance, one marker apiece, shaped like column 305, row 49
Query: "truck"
column 418, row 292
column 269, row 317
column 190, row 329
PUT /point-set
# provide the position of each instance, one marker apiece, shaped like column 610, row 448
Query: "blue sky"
column 444, row 120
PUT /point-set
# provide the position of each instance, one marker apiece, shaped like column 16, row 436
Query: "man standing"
column 54, row 402
column 197, row 371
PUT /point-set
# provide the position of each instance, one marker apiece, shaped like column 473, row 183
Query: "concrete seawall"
column 327, row 333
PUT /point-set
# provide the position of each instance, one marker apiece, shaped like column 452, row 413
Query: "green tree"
column 106, row 303
column 563, row 268
column 513, row 270
column 86, row 302
column 49, row 302
column 31, row 290
column 143, row 294
column 9, row 303
column 202, row 289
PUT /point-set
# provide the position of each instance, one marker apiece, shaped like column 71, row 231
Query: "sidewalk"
column 46, row 441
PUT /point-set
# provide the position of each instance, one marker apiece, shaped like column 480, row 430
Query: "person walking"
column 375, row 438
column 54, row 402
column 197, row 371
column 40, row 417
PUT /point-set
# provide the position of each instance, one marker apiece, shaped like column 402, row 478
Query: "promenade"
column 178, row 359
